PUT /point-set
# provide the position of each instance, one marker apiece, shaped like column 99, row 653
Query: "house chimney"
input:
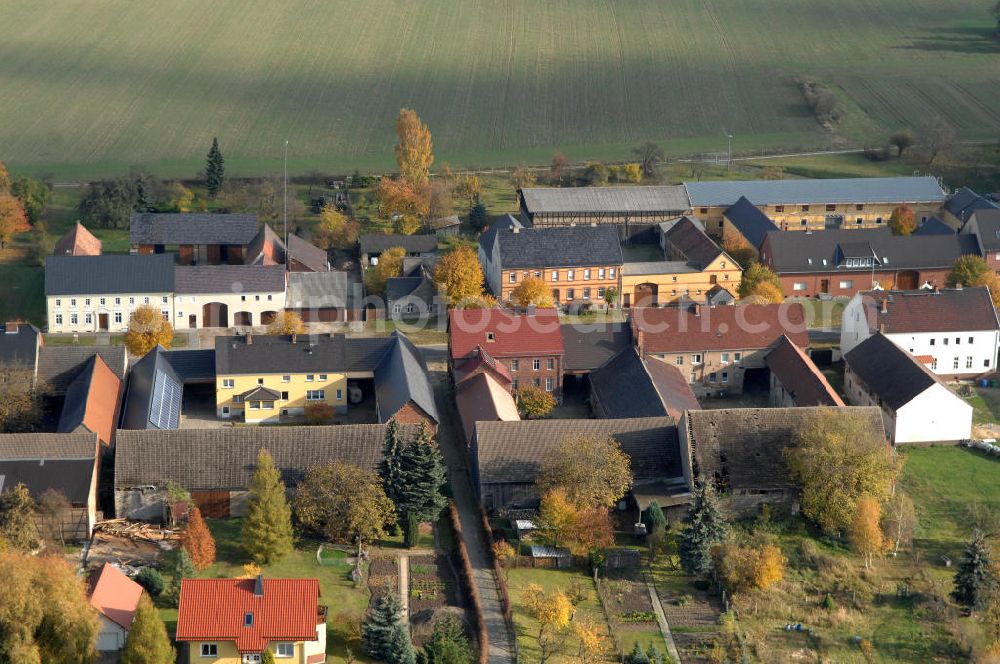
column 515, row 229
column 11, row 327
column 249, row 339
column 258, row 586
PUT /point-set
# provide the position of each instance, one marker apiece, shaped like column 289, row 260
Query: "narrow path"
column 661, row 618
column 404, row 583
column 453, row 449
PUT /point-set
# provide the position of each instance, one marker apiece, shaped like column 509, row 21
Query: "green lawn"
column 498, row 83
column 822, row 313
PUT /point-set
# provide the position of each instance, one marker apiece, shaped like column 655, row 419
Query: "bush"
column 318, row 413
column 151, row 580
column 469, row 581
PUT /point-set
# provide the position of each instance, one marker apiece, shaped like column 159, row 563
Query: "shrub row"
column 508, row 612
column 469, row 579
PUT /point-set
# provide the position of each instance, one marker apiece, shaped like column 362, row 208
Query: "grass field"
column 95, row 88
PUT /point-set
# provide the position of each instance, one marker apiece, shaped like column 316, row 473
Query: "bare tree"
column 650, row 155
column 939, row 140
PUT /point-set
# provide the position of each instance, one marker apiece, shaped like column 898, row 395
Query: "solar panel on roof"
column 165, row 402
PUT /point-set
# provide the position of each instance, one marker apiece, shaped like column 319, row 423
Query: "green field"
column 92, row 88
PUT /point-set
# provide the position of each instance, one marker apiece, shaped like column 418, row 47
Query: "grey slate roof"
column 224, row 458
column 156, row 228
column 965, row 202
column 21, row 446
column 513, row 452
column 308, row 254
column 688, row 237
column 413, row 244
column 564, row 246
column 894, row 375
column 717, row 295
column 75, row 403
column 306, row 354
column 628, row 386
column 986, row 224
column 402, row 377
column 801, row 252
column 749, row 221
column 487, row 237
column 58, row 366
column 658, row 267
column 68, row 466
column 411, row 288
column 154, row 394
column 109, row 274
column 934, row 226
column 924, row 189
column 317, row 290
column 742, row 448
column 657, row 200
column 193, row 366
column 191, row 279
column 590, row 346
column 19, row 345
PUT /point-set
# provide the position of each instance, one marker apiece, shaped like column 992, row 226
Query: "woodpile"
column 135, row 530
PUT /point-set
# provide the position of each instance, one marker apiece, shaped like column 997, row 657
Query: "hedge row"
column 470, row 583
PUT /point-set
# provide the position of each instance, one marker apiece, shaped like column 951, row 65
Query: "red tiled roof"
column 77, row 242
column 115, row 596
column 215, row 609
column 947, row 310
column 701, row 328
column 512, row 334
column 800, row 377
column 102, row 401
column 480, row 359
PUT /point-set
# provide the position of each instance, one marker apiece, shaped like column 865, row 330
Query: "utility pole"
column 286, row 203
column 729, row 161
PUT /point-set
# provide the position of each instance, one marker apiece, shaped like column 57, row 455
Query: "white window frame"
column 315, row 395
column 570, row 275
column 548, row 384
column 228, row 383
column 514, row 364
column 59, row 319
column 284, row 649
column 310, row 378
column 555, row 276
column 696, row 359
column 847, row 283
column 322, row 376
column 209, row 650
column 586, row 274
column 536, row 364
column 512, row 277
column 800, row 286
column 340, row 394
column 286, row 379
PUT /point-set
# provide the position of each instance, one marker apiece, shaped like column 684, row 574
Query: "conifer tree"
column 479, row 216
column 183, row 569
column 705, row 528
column 400, row 647
column 147, row 641
column 379, row 628
column 198, row 541
column 975, row 576
column 654, row 655
column 267, row 657
column 267, row 528
column 654, row 518
column 391, row 468
column 424, row 477
column 17, row 523
column 636, row 656
column 215, row 169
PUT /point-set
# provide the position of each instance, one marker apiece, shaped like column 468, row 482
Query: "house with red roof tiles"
column 92, row 401
column 528, row 345
column 718, row 349
column 77, row 242
column 233, row 621
column 115, row 597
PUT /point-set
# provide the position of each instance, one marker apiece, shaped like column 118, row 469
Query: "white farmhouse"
column 955, row 330
column 227, row 295
column 917, row 407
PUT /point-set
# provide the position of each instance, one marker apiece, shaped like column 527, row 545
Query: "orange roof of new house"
column 250, row 612
column 77, row 242
column 115, row 596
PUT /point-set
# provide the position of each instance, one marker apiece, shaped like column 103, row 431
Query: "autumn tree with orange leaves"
column 198, row 541
column 415, row 149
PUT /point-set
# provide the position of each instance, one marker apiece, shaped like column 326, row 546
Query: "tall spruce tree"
column 391, row 468
column 379, row 628
column 183, row 569
column 215, row 169
column 479, row 216
column 975, row 577
column 267, row 528
column 636, row 655
column 424, row 477
column 448, row 644
column 705, row 528
column 147, row 641
column 400, row 647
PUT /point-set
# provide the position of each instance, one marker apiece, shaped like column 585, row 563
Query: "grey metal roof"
column 687, row 237
column 301, row 354
column 14, row 446
column 894, row 375
column 402, row 377
column 563, row 246
column 934, row 226
column 923, row 189
column 19, row 345
column 985, row 224
column 413, row 244
column 410, row 288
column 513, row 452
column 224, row 458
column 625, row 388
column 193, row 366
column 71, row 477
column 590, row 346
column 965, row 202
column 658, row 267
column 58, row 366
column 658, row 200
column 749, row 221
column 154, row 395
column 308, row 254
column 109, row 274
column 795, row 252
column 487, row 237
column 317, row 290
column 191, row 279
column 170, row 229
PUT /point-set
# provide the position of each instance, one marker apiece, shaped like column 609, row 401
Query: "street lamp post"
column 285, row 196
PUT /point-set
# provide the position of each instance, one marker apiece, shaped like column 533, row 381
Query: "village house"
column 227, row 295
column 744, row 225
column 529, row 345
column 635, row 210
column 954, row 331
column 233, row 621
column 818, row 204
column 91, row 402
column 115, row 597
column 370, row 247
column 507, row 456
column 841, row 262
column 984, row 225
column 576, row 263
column 916, row 405
column 962, row 205
column 630, row 385
column 298, row 255
column 694, row 266
column 589, row 346
column 742, row 452
column 77, row 241
column 796, row 380
column 484, row 396
column 216, row 465
column 323, row 297
column 99, row 293
column 67, row 463
column 19, row 346
column 197, row 239
column 273, row 378
column 59, row 366
column 718, row 349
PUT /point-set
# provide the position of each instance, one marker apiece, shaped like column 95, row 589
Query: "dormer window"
column 248, row 619
column 490, row 337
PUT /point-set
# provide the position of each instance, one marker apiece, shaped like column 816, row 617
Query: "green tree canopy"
column 975, row 577
column 704, row 528
column 215, row 169
column 147, row 641
column 267, row 528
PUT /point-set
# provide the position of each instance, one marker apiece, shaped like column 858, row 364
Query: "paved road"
column 452, row 443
